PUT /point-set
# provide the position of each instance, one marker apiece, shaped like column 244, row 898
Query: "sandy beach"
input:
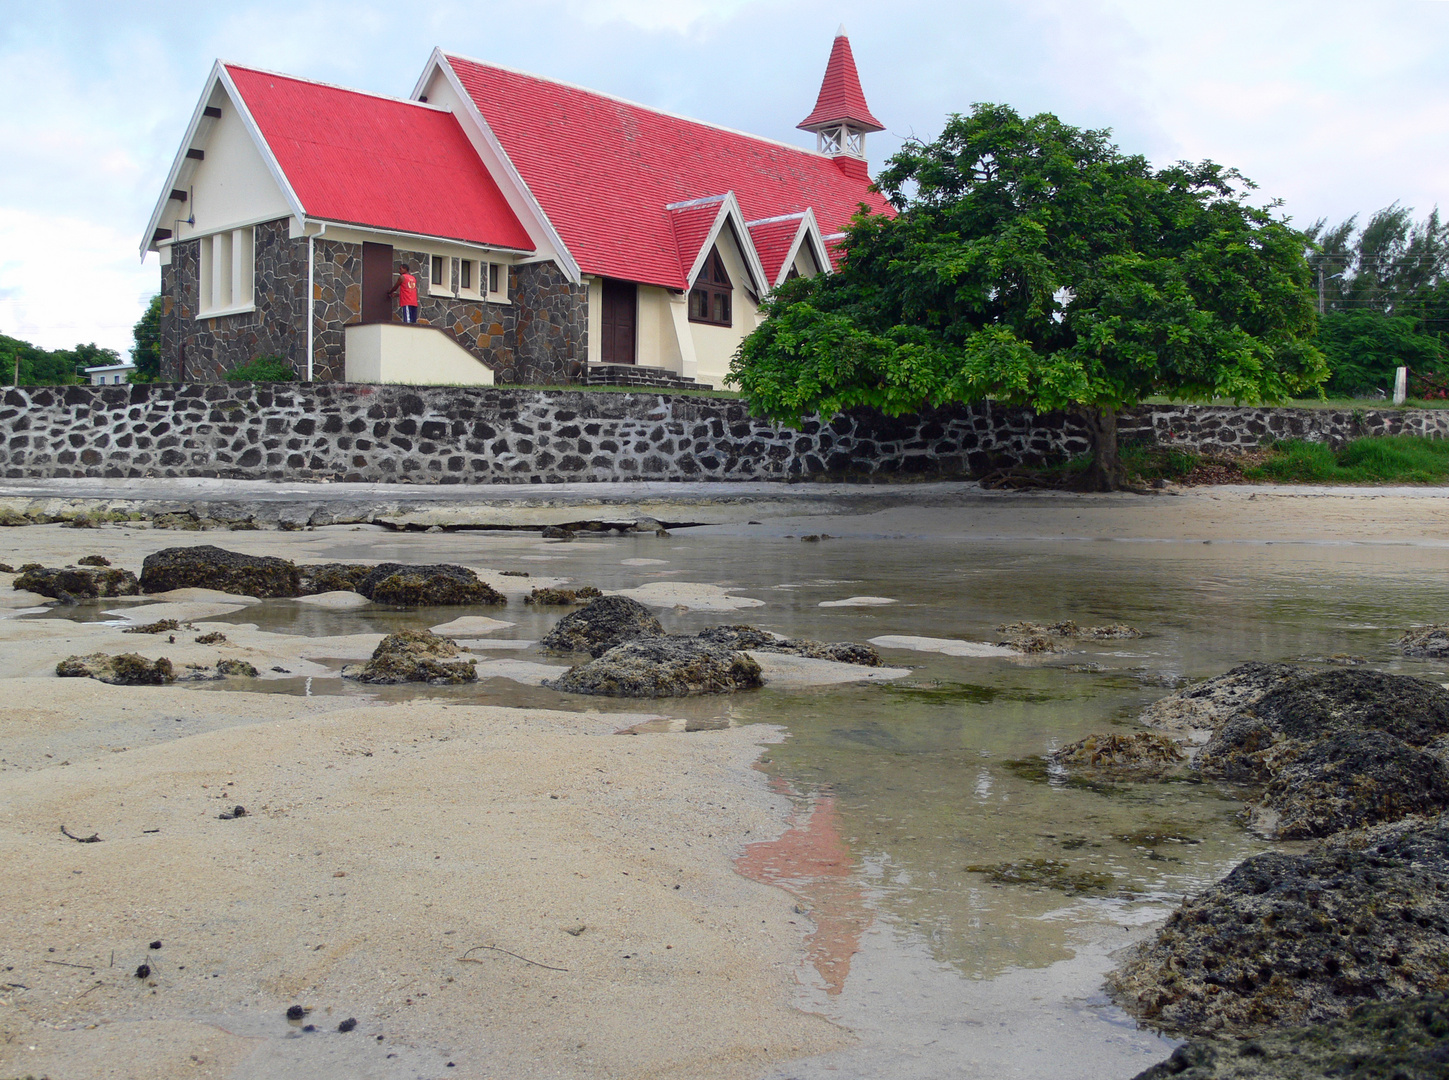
column 488, row 891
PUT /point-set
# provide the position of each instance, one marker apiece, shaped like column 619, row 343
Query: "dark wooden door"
column 621, row 301
column 376, row 281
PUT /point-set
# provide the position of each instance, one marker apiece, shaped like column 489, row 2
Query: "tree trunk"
column 1105, row 471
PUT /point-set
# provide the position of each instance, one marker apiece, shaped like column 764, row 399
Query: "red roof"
column 692, row 223
column 604, row 171
column 772, row 241
column 841, row 97
column 381, row 162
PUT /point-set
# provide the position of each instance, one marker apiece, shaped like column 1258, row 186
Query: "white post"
column 1401, row 385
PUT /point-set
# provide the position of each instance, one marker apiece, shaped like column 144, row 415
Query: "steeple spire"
column 841, row 117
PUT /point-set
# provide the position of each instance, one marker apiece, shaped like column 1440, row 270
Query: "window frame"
column 713, row 286
column 440, row 284
column 226, row 273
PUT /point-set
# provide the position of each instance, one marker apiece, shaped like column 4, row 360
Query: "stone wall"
column 514, row 435
column 539, row 337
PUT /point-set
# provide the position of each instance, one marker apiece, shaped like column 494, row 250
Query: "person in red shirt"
column 406, row 288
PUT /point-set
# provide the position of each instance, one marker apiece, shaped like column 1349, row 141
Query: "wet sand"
column 419, row 865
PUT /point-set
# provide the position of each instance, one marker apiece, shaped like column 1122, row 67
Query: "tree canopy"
column 1033, row 263
column 43, row 367
column 146, row 352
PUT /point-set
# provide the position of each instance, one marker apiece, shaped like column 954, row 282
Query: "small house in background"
column 559, row 235
column 109, row 374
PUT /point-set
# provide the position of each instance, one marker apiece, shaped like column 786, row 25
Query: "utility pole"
column 1320, row 288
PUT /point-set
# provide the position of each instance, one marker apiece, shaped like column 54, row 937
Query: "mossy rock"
column 414, row 656
column 741, row 636
column 1294, row 939
column 125, row 669
column 656, row 667
column 236, row 667
column 332, row 577
column 600, row 625
column 77, row 582
column 161, row 626
column 93, row 560
column 206, row 566
column 1138, row 753
column 1047, row 874
column 441, row 585
column 1429, row 642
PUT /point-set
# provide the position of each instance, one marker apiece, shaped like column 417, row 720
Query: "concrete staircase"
column 652, row 378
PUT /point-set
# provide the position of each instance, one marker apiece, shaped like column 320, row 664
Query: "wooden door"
column 376, row 281
column 621, row 302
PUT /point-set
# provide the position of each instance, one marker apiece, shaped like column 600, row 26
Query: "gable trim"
column 438, row 61
column 729, row 213
column 218, row 75
column 808, row 233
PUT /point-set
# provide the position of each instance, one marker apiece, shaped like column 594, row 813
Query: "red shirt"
column 407, row 290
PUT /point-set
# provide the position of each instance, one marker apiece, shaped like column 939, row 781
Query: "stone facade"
column 540, row 336
column 508, row 435
column 201, row 350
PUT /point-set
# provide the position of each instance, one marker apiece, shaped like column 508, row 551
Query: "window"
column 438, row 278
column 709, row 300
column 492, row 277
column 226, row 273
column 465, row 276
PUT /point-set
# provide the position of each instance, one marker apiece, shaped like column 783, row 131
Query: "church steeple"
column 841, row 117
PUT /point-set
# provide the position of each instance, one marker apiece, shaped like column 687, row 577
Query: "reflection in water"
column 811, row 862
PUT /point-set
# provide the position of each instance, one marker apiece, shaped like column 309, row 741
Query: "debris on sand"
column 206, row 566
column 662, row 667
column 600, row 625
column 125, row 669
column 1293, row 939
column 414, row 656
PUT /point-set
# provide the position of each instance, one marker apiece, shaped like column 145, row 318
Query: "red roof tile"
column 604, row 171
column 773, row 240
column 692, row 223
column 381, row 162
column 841, row 97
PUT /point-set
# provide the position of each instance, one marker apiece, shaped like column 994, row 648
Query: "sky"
column 1334, row 108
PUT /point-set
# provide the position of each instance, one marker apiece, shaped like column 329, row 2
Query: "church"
column 558, row 234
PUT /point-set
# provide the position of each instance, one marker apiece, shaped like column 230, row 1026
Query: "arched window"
column 709, row 300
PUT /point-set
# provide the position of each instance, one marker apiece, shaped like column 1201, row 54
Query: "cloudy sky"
column 1335, row 108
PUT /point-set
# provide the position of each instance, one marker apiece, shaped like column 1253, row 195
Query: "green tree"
column 146, row 352
column 1033, row 263
column 38, row 367
column 1364, row 347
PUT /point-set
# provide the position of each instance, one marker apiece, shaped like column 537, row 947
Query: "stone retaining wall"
column 515, row 435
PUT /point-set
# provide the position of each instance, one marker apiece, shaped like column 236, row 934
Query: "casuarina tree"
column 1035, row 264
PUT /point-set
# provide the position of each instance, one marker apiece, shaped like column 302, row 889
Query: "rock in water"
column 1431, row 642
column 441, row 585
column 1208, row 704
column 548, row 597
column 125, row 669
column 78, row 583
column 600, row 625
column 1404, row 1040
column 1292, row 939
column 1352, row 779
column 1141, row 753
column 236, row 667
column 208, row 567
column 661, row 667
column 332, row 577
column 414, row 656
column 748, row 637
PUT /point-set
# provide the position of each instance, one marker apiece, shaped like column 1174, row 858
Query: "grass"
column 1389, row 459
column 583, row 388
column 1341, row 404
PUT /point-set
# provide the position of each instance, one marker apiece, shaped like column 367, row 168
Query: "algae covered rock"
column 1029, row 637
column 78, row 582
column 1291, row 939
column 1047, row 874
column 160, row 626
column 1401, row 1040
column 1140, row 753
column 600, row 625
column 236, row 667
column 93, row 560
column 206, row 566
column 661, row 667
column 549, row 597
column 414, row 656
column 1352, row 779
column 439, row 585
column 1430, row 642
column 331, row 577
column 749, row 637
column 1209, row 704
column 125, row 669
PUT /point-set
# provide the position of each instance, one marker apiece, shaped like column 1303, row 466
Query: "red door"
column 376, row 281
column 621, row 301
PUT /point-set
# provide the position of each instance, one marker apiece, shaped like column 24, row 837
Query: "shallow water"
column 900, row 787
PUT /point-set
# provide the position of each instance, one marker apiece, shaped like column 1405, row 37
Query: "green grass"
column 582, row 388
column 1390, row 459
column 1341, row 404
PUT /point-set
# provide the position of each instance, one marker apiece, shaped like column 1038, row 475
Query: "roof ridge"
column 640, row 105
column 687, row 203
column 778, row 217
column 229, row 65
